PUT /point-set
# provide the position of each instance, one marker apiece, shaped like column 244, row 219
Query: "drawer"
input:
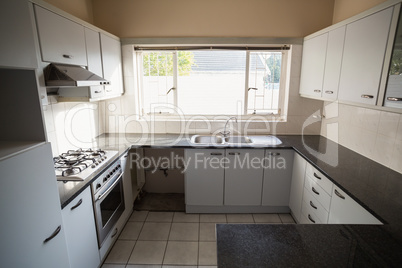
column 318, row 177
column 315, row 206
column 315, row 190
column 309, row 215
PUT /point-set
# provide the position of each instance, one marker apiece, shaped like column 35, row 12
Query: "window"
column 211, row 82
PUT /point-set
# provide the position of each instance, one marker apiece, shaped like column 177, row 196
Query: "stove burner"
column 71, row 171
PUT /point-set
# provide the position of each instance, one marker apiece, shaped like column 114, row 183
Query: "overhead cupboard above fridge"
column 393, row 93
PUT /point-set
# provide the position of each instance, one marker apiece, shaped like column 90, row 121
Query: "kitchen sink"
column 219, row 140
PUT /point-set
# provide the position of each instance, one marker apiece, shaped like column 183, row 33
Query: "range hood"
column 64, row 75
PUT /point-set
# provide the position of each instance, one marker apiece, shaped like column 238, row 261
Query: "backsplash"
column 122, row 113
column 71, row 125
column 372, row 133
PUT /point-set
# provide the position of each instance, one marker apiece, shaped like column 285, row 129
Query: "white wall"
column 122, row 113
column 71, row 125
column 372, row 133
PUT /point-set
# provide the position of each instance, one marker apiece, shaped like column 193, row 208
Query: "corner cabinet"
column 32, row 231
column 345, row 210
column 79, row 222
column 363, row 57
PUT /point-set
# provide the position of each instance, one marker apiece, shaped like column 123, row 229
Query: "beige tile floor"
column 175, row 239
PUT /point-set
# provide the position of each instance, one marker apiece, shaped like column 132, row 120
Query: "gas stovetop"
column 77, row 165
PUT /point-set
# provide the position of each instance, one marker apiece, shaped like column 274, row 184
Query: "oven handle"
column 111, row 187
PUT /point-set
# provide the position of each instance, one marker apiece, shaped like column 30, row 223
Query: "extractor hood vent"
column 63, row 75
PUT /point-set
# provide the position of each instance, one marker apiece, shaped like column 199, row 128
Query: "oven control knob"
column 110, row 174
column 96, row 163
column 105, row 178
column 105, row 156
column 93, row 166
column 98, row 186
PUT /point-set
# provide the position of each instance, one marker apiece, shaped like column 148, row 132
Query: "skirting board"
column 236, row 209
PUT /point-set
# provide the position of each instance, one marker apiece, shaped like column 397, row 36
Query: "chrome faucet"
column 224, row 132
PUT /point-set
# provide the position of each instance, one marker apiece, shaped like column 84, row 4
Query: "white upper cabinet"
column 17, row 44
column 313, row 64
column 61, row 40
column 333, row 63
column 94, row 58
column 363, row 57
column 112, row 65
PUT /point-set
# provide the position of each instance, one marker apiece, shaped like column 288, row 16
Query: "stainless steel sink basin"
column 206, row 139
column 219, row 140
column 238, row 139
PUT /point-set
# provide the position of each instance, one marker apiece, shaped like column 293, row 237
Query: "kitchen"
column 68, row 121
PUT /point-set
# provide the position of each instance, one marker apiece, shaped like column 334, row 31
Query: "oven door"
column 109, row 205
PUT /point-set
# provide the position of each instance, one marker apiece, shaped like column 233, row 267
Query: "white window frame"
column 283, row 92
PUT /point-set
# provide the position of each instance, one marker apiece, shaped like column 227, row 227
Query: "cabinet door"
column 31, row 211
column 278, row 168
column 204, row 177
column 363, row 57
column 333, row 63
column 313, row 64
column 345, row 210
column 243, row 179
column 127, row 185
column 94, row 58
column 17, row 44
column 297, row 186
column 61, row 40
column 111, row 61
column 79, row 224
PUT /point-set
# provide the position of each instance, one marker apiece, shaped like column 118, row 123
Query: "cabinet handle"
column 315, row 191
column 115, row 232
column 339, row 194
column 394, row 99
column 317, row 90
column 329, row 92
column 274, row 154
column 312, row 205
column 364, row 96
column 56, row 232
column 309, row 217
column 98, row 91
column 318, row 177
column 216, row 153
column 77, row 205
column 66, row 56
column 234, row 153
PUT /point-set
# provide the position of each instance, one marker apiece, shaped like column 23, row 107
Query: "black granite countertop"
column 374, row 186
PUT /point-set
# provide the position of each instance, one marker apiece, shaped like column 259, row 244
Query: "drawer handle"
column 55, row 233
column 312, row 205
column 318, row 177
column 329, row 92
column 339, row 194
column 364, row 96
column 234, row 153
column 115, row 232
column 315, row 191
column 216, row 153
column 394, row 99
column 317, row 90
column 98, row 91
column 67, row 56
column 274, row 154
column 77, row 205
column 309, row 217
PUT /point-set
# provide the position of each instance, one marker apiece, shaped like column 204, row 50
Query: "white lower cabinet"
column 32, row 232
column 204, row 177
column 79, row 225
column 297, row 185
column 243, row 180
column 345, row 210
column 278, row 168
column 127, row 186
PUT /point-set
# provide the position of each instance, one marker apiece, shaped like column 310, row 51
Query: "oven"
column 108, row 197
